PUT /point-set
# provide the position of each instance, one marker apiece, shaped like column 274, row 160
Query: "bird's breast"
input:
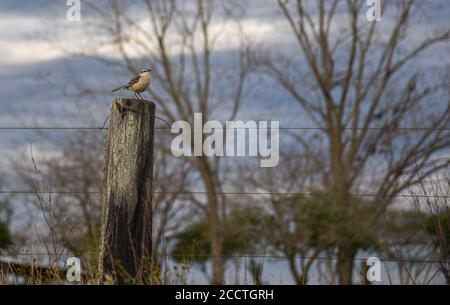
column 141, row 85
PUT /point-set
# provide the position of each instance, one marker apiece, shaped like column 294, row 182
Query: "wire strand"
column 31, row 192
column 280, row 128
column 240, row 256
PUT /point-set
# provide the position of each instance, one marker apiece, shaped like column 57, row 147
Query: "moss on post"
column 127, row 192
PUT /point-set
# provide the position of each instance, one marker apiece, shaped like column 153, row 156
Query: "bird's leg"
column 135, row 95
column 140, row 96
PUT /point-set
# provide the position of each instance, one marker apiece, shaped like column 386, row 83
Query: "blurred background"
column 364, row 113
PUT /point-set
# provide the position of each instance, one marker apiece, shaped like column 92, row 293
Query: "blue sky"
column 32, row 68
column 35, row 76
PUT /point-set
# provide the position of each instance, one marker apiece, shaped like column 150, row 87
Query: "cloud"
column 18, row 44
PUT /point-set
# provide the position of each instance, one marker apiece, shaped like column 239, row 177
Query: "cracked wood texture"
column 125, row 255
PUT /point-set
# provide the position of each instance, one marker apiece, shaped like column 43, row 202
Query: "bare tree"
column 73, row 172
column 358, row 81
column 178, row 39
column 434, row 209
column 70, row 168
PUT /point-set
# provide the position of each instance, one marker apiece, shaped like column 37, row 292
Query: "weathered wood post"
column 125, row 254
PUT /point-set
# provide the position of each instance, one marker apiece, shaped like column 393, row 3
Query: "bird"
column 137, row 84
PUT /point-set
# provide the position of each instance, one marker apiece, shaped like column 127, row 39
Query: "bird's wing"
column 133, row 81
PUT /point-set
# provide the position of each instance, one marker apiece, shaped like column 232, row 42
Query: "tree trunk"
column 298, row 277
column 345, row 264
column 363, row 273
column 127, row 192
column 214, row 223
column 216, row 236
column 341, row 187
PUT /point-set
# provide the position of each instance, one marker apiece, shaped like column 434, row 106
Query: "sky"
column 36, row 76
column 35, row 89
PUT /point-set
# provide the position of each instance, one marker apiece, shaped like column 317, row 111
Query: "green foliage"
column 297, row 225
column 193, row 243
column 5, row 238
column 319, row 223
column 438, row 226
column 86, row 246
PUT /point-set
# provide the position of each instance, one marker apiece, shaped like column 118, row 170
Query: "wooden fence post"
column 126, row 244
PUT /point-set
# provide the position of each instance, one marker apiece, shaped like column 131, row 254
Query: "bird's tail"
column 117, row 89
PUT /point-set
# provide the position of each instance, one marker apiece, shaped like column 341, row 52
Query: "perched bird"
column 137, row 84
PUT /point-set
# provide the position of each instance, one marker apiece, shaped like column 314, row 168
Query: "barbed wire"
column 269, row 256
column 31, row 192
column 261, row 256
